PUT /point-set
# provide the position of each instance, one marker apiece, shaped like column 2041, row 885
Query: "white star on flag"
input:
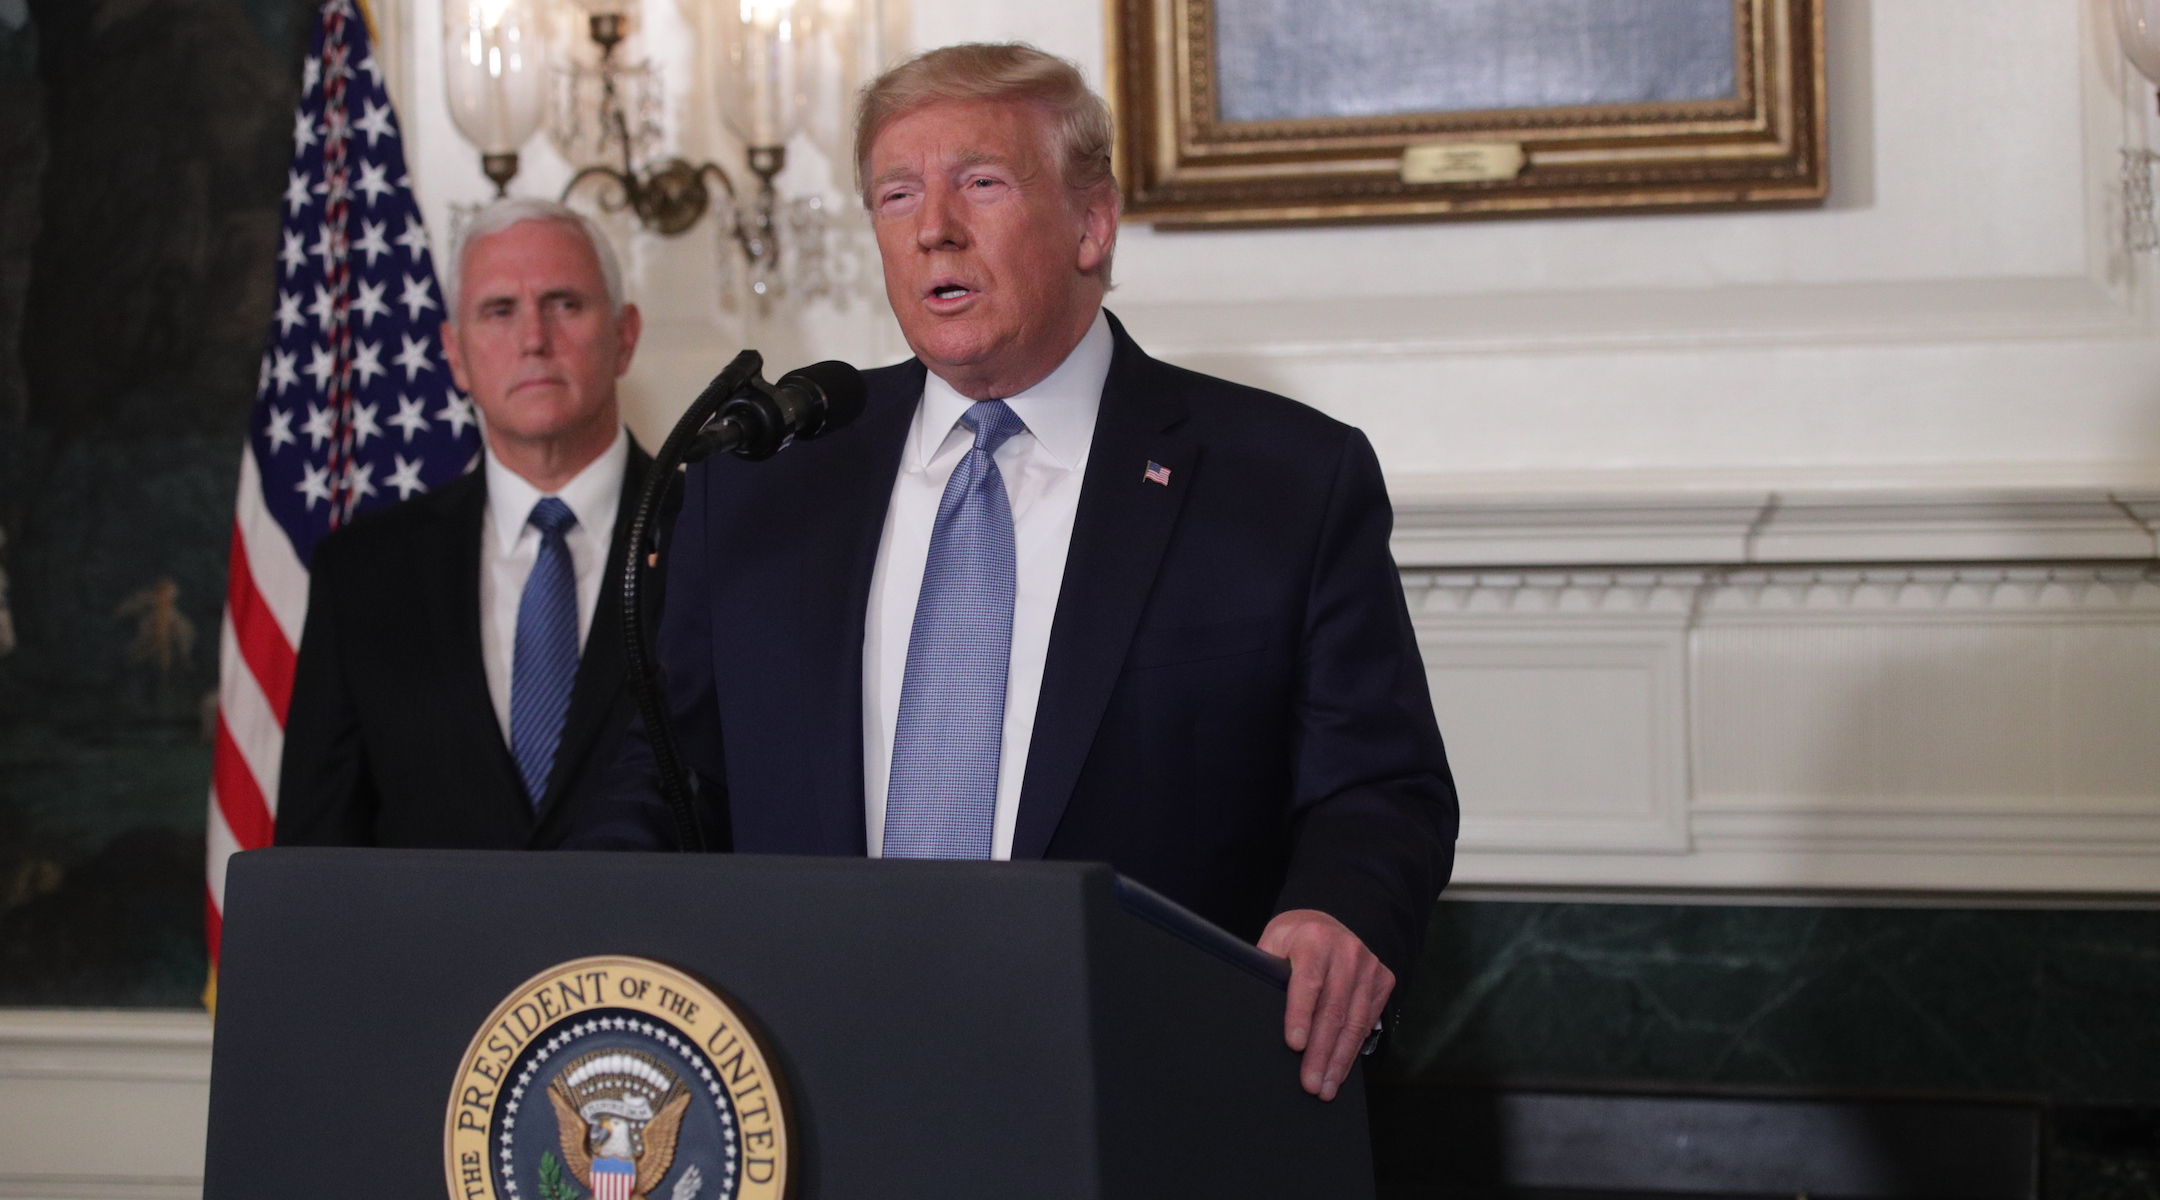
column 297, row 195
column 288, row 312
column 303, row 132
column 321, row 366
column 374, row 120
column 367, row 364
column 375, row 73
column 414, row 239
column 372, row 185
column 371, row 242
column 359, row 479
column 316, row 486
column 281, row 370
column 411, row 417
column 364, row 426
column 310, row 74
column 318, row 426
column 457, row 410
column 406, row 479
column 294, row 253
column 279, row 430
column 413, row 356
column 415, row 298
column 324, row 308
column 369, row 303
column 329, row 246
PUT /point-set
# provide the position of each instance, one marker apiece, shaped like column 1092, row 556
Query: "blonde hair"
column 1007, row 71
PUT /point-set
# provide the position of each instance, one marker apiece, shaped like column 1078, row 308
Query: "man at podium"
column 1053, row 598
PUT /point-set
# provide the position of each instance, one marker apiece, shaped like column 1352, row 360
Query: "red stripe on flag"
column 262, row 642
column 239, row 793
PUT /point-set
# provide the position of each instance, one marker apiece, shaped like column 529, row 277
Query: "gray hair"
column 499, row 215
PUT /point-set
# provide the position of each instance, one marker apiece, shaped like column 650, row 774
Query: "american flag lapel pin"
column 1157, row 473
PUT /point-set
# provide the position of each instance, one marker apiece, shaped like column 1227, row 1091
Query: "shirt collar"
column 592, row 494
column 1059, row 411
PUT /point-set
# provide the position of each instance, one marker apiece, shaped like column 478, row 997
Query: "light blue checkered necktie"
column 543, row 666
column 942, row 798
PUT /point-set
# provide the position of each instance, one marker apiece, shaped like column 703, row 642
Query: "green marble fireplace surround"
column 2056, row 1004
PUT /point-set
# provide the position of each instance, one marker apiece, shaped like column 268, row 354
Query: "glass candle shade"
column 495, row 72
column 763, row 99
column 2138, row 23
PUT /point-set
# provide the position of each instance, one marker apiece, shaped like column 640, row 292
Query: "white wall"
column 1961, row 313
column 102, row 1104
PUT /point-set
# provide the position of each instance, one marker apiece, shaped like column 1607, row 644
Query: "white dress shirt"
column 509, row 546
column 1043, row 467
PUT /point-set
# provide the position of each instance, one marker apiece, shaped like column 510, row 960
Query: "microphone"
column 741, row 413
column 758, row 420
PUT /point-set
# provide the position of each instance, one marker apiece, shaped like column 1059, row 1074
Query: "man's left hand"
column 1337, row 989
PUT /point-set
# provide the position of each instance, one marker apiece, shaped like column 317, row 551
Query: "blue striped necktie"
column 941, row 801
column 543, row 666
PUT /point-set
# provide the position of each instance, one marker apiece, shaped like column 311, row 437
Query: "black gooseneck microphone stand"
column 738, row 412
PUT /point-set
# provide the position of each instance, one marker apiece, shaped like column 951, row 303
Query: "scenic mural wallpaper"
column 143, row 146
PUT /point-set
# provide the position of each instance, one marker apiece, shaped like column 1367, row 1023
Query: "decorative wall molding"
column 1618, row 696
column 1693, row 595
column 1771, row 527
column 1895, row 720
column 1937, row 594
column 102, row 1105
column 1655, row 597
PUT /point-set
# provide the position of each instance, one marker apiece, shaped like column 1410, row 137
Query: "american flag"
column 354, row 409
column 1156, row 473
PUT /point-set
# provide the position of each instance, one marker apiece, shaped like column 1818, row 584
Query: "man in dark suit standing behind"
column 1051, row 598
column 460, row 681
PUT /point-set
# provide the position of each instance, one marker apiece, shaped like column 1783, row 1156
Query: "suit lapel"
column 457, row 630
column 1120, row 530
column 602, row 667
column 791, row 547
column 858, row 485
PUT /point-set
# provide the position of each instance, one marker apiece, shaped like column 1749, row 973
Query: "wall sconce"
column 769, row 52
column 2137, row 25
column 495, row 72
column 621, row 100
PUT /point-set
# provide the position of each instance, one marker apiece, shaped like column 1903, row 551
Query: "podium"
column 1037, row 1030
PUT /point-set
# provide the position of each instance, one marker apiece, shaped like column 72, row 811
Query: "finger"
column 1306, row 981
column 1331, row 1014
column 1350, row 1038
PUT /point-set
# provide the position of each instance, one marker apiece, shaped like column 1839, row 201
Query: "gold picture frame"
column 1182, row 166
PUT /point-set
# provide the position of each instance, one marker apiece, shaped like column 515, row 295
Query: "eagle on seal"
column 614, row 1153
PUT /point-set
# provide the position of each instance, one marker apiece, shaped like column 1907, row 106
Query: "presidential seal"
column 615, row 1079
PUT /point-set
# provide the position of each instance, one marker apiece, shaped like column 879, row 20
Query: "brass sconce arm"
column 670, row 194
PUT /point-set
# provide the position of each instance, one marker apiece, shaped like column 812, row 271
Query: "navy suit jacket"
column 391, row 738
column 1233, row 709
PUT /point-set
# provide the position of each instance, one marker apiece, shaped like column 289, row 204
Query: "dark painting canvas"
column 143, row 146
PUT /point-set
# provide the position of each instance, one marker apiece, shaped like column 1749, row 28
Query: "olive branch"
column 552, row 1184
